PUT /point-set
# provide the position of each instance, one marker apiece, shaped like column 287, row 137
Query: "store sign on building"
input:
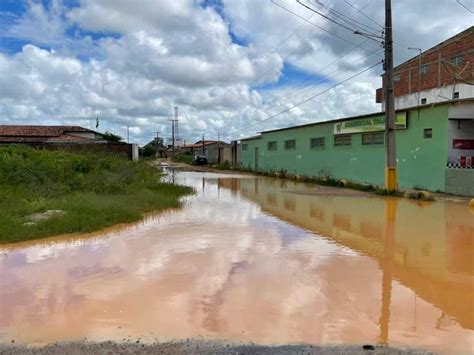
column 372, row 124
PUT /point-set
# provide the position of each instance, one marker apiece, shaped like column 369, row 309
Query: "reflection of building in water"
column 432, row 248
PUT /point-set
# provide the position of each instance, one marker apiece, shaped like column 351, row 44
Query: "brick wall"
column 407, row 74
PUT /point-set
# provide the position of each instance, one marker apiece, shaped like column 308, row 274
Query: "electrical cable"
column 363, row 14
column 307, row 86
column 354, row 31
column 317, row 26
column 350, row 21
column 311, row 97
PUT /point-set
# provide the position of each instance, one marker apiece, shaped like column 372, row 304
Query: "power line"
column 312, row 97
column 350, row 21
column 280, row 45
column 354, row 31
column 307, row 87
column 363, row 13
column 468, row 9
column 319, row 27
column 320, row 71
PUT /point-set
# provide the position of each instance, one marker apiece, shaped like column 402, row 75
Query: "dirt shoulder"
column 197, row 347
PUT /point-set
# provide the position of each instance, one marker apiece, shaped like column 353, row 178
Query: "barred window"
column 424, row 69
column 245, row 146
column 317, row 143
column 457, row 60
column 428, row 133
column 272, row 145
column 373, row 138
column 343, row 140
column 397, row 77
column 290, row 144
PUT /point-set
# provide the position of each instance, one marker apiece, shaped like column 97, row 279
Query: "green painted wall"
column 421, row 162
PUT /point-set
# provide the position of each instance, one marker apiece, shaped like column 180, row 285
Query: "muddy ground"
column 196, row 347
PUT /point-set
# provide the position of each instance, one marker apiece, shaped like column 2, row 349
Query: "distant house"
column 215, row 151
column 37, row 135
column 73, row 138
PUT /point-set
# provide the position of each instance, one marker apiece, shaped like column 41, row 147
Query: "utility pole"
column 218, row 147
column 391, row 183
column 128, row 134
column 176, row 120
column 203, row 145
column 157, row 143
column 174, row 128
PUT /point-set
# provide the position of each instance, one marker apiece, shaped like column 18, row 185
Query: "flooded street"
column 258, row 260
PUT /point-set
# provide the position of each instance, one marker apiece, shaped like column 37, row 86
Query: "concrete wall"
column 435, row 95
column 225, row 154
column 460, row 181
column 421, row 161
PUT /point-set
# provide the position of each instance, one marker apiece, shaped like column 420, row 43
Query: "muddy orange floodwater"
column 254, row 259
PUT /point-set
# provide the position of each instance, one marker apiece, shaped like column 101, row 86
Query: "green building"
column 435, row 148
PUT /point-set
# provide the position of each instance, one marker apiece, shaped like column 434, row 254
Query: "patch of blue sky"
column 74, row 31
column 10, row 46
column 12, row 6
column 292, row 76
column 218, row 6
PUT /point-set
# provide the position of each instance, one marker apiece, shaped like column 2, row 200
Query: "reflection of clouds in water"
column 215, row 268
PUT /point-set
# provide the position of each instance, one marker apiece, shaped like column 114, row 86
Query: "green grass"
column 182, row 158
column 95, row 191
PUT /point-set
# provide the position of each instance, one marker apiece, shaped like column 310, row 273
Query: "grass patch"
column 182, row 158
column 420, row 196
column 95, row 191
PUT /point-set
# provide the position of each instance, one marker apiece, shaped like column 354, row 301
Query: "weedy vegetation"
column 91, row 192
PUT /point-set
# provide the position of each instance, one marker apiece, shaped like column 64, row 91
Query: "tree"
column 111, row 137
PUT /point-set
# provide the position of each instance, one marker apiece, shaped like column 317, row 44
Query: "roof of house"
column 198, row 144
column 42, row 134
column 40, row 131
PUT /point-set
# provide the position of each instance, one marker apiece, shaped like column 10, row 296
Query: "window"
column 343, row 140
column 428, row 133
column 456, row 95
column 317, row 143
column 424, row 69
column 423, row 101
column 245, row 146
column 290, row 144
column 396, row 77
column 272, row 145
column 457, row 60
column 373, row 138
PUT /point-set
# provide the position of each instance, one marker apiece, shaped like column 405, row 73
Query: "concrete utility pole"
column 218, row 148
column 203, row 145
column 128, row 134
column 176, row 132
column 391, row 183
column 174, row 128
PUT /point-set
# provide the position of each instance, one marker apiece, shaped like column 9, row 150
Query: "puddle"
column 254, row 259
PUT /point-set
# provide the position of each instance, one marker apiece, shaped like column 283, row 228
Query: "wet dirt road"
column 255, row 260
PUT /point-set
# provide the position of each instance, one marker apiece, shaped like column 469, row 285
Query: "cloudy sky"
column 227, row 64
